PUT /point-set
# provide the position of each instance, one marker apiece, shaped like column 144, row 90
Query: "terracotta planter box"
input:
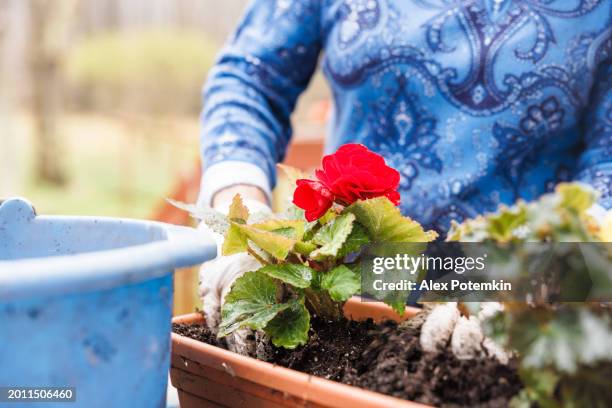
column 208, row 376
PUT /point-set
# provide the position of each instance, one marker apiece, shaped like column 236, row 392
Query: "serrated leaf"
column 341, row 283
column 275, row 244
column 290, row 228
column 329, row 216
column 562, row 339
column 332, row 236
column 297, row 275
column 235, row 241
column 398, row 305
column 252, row 302
column 385, row 223
column 237, row 211
column 304, row 248
column 545, row 382
column 271, row 236
column 540, row 386
column 310, row 229
column 213, row 219
column 289, row 328
column 285, row 232
column 576, row 196
column 355, row 241
column 501, row 226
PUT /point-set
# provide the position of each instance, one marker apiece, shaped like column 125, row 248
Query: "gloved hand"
column 444, row 326
column 218, row 275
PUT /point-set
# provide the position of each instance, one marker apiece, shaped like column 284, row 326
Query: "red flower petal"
column 313, row 197
column 354, row 172
column 394, row 197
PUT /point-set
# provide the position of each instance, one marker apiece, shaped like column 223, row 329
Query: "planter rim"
column 169, row 247
column 306, row 386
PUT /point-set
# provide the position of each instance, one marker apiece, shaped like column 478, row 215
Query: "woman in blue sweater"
column 475, row 102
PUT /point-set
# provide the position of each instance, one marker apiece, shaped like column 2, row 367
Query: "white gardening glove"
column 444, row 327
column 218, row 275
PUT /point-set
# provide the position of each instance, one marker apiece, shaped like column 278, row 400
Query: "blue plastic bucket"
column 86, row 303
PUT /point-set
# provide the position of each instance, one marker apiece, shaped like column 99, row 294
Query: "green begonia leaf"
column 275, row 244
column 385, row 223
column 562, row 340
column 575, row 196
column 331, row 236
column 341, row 283
column 289, row 228
column 398, row 304
column 297, row 275
column 328, row 217
column 355, row 241
column 502, row 225
column 304, row 248
column 252, row 302
column 289, row 328
column 235, row 241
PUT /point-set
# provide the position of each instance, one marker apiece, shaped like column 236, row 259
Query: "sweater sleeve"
column 252, row 91
column 595, row 164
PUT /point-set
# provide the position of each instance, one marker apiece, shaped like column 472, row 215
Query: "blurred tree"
column 49, row 23
column 8, row 178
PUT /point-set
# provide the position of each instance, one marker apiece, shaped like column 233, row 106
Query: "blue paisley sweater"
column 475, row 102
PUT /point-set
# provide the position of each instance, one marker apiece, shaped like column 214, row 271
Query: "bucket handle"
column 16, row 208
column 188, row 244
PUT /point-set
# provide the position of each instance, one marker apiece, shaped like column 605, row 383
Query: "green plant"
column 563, row 347
column 310, row 255
column 304, row 264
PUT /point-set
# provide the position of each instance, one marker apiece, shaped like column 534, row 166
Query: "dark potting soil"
column 197, row 332
column 394, row 363
column 333, row 348
column 388, row 359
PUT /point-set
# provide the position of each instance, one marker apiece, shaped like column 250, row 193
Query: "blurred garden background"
column 100, row 101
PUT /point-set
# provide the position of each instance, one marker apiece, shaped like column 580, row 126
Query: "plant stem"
column 322, row 305
column 257, row 256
